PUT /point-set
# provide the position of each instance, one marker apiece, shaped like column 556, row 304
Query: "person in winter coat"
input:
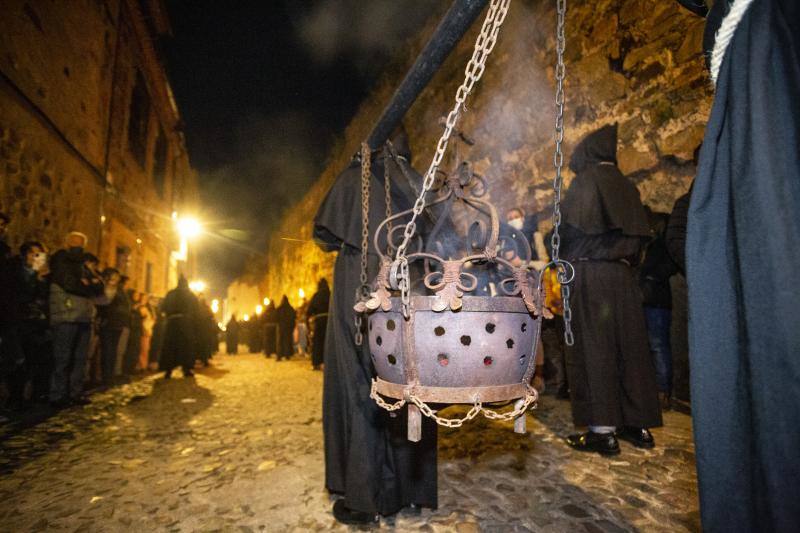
column 74, row 284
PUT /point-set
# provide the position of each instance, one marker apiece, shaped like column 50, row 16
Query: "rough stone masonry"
column 636, row 62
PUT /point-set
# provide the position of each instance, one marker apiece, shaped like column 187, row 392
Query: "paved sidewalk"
column 239, row 449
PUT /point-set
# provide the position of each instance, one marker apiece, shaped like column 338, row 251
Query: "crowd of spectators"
column 69, row 326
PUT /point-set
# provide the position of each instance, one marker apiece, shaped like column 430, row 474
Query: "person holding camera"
column 74, row 283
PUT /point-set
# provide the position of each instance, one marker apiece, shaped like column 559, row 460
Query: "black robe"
column 270, row 329
column 179, row 347
column 318, row 320
column 742, row 254
column 286, row 318
column 610, row 369
column 232, row 337
column 367, row 456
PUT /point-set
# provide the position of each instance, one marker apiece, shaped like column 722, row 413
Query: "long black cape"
column 367, row 456
column 610, row 370
column 742, row 253
column 180, row 335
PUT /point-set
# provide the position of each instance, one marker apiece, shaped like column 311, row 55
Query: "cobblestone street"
column 239, row 449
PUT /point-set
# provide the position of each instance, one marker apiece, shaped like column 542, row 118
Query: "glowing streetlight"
column 301, row 293
column 215, row 306
column 188, row 228
column 246, row 317
column 266, row 302
column 259, row 310
column 197, row 285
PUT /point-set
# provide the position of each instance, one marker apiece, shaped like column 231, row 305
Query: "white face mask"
column 516, row 223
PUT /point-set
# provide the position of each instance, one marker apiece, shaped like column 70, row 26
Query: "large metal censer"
column 469, row 332
column 445, row 345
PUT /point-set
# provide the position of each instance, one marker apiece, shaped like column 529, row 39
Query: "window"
column 160, row 162
column 137, row 122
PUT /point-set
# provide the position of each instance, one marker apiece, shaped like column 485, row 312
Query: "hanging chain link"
column 362, row 292
column 484, row 44
column 477, row 408
column 387, row 188
column 558, row 162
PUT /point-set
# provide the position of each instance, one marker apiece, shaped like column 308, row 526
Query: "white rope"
column 725, row 34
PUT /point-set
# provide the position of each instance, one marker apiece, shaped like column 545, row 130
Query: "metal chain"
column 373, row 393
column 360, row 291
column 477, row 408
column 447, row 422
column 558, row 162
column 387, row 189
column 530, row 398
column 498, row 9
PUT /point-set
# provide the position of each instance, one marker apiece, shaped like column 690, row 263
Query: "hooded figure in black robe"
column 270, row 328
column 180, row 335
column 318, row 321
column 742, row 255
column 610, row 370
column 286, row 318
column 368, row 458
column 232, row 335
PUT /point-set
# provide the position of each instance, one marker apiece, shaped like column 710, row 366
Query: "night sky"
column 264, row 88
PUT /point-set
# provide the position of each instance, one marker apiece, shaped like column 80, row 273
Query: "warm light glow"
column 246, row 317
column 215, row 306
column 197, row 285
column 221, row 326
column 138, row 241
column 266, row 302
column 188, row 228
column 174, row 215
column 302, row 293
column 102, row 218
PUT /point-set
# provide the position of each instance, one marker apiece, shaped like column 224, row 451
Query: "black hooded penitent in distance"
column 179, row 348
column 742, row 255
column 318, row 321
column 610, row 369
column 367, row 456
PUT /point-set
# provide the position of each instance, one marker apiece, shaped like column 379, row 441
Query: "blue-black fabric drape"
column 742, row 255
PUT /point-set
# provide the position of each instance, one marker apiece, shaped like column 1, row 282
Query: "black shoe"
column 602, row 443
column 563, row 393
column 168, row 374
column 348, row 516
column 188, row 374
column 639, row 437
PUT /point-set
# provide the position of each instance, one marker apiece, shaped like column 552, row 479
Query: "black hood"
column 399, row 139
column 596, row 147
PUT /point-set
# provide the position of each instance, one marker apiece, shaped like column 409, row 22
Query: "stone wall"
column 635, row 62
column 66, row 162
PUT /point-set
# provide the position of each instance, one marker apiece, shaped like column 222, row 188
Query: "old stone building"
column 90, row 136
column 635, row 62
